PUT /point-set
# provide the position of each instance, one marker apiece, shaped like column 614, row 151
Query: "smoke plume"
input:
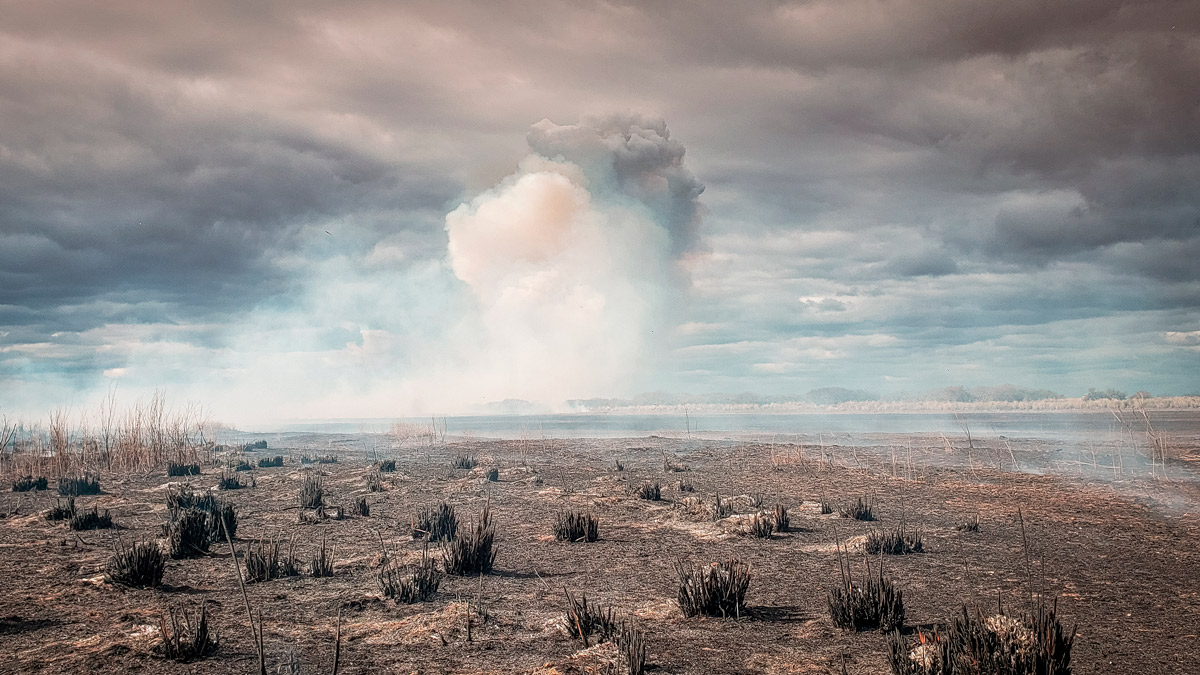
column 572, row 259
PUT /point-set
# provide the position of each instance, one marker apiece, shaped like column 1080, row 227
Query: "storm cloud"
column 909, row 194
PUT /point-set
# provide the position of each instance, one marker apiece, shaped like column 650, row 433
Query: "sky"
column 313, row 210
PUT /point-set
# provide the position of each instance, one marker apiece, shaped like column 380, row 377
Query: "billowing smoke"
column 573, row 258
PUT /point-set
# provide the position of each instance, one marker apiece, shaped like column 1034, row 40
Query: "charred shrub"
column 188, row 533
column 718, row 589
column 686, row 486
column 229, row 481
column 435, row 523
column 411, row 583
column 859, row 510
column 375, row 481
column 269, row 462
column 138, row 565
column 472, row 552
column 974, row 644
column 632, row 643
column 825, row 507
column 650, row 491
column 311, row 493
column 322, row 561
column 90, row 520
column 875, row 604
column 780, row 518
column 969, row 525
column 761, row 526
column 27, row 483
column 576, row 526
column 586, row 620
column 256, row 445
column 387, row 465
column 181, row 469
column 186, row 640
column 264, row 562
column 243, row 465
column 63, row 510
column 493, row 475
column 82, row 485
column 361, row 507
column 898, row 541
column 464, row 461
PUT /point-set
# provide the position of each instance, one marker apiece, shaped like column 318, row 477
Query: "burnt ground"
column 1119, row 547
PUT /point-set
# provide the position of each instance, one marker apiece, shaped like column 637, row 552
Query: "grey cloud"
column 637, row 155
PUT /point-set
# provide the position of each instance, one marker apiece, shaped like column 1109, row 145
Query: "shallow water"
column 1044, row 425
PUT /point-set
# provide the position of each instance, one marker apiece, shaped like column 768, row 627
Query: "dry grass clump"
column 185, row 642
column 182, row 469
column 632, row 642
column 586, row 620
column 269, row 462
column 859, row 510
column 718, row 589
column 232, row 481
column 650, row 491
column 196, row 521
column 62, row 510
column 435, row 523
column 969, row 525
column 27, row 483
column 138, row 565
column 473, row 551
column 464, row 461
column 311, row 493
column 412, row 583
column 875, row 604
column 90, row 520
column 264, row 562
column 976, row 645
column 78, row 485
column 576, row 526
column 374, row 481
column 188, row 533
column 898, row 541
column 322, row 563
column 761, row 526
column 780, row 518
column 721, row 509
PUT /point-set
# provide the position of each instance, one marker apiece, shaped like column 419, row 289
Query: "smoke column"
column 572, row 259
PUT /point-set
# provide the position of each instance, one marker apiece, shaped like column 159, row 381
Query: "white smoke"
column 572, row 259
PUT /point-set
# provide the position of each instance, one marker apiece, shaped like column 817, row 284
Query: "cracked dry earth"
column 1120, row 552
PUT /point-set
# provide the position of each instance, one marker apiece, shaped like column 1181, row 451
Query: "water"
column 1045, row 425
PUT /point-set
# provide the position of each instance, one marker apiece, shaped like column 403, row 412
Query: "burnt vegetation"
column 411, row 584
column 185, row 637
column 137, row 565
column 718, row 589
column 435, row 523
column 29, row 483
column 473, row 551
column 897, row 541
column 576, row 526
column 860, row 509
column 79, row 485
